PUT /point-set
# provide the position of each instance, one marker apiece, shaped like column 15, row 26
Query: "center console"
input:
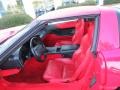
column 65, row 50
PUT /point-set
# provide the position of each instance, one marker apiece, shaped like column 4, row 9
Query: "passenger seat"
column 79, row 31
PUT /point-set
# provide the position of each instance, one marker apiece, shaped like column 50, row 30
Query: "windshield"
column 12, row 36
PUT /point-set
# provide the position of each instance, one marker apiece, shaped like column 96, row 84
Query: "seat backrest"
column 90, row 29
column 79, row 31
column 80, row 57
column 80, row 52
column 85, row 44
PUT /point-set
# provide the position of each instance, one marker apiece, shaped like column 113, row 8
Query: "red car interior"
column 55, row 68
column 53, row 39
column 64, row 70
column 79, row 31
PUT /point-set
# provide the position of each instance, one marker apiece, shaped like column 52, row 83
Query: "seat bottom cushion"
column 59, row 70
column 53, row 70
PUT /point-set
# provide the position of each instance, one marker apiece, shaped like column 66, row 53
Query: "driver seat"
column 79, row 31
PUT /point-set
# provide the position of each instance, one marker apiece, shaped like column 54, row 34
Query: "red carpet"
column 32, row 72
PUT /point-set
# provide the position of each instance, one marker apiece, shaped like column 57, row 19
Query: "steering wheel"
column 38, row 48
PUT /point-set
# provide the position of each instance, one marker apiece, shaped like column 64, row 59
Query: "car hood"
column 8, row 33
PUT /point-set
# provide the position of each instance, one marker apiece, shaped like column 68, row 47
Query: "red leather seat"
column 79, row 31
column 64, row 69
column 67, row 69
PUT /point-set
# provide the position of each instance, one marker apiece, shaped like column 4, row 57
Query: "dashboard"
column 17, row 58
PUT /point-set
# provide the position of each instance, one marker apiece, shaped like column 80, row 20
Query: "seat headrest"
column 79, row 24
column 90, row 29
column 79, row 31
column 86, row 27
